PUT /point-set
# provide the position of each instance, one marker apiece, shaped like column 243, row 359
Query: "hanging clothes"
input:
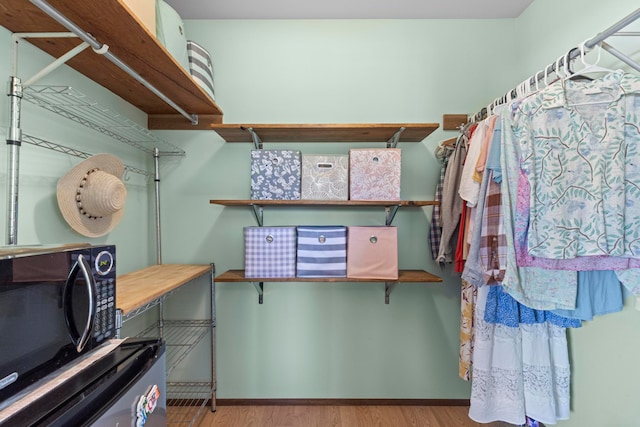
column 451, row 206
column 442, row 153
column 580, row 154
column 518, row 372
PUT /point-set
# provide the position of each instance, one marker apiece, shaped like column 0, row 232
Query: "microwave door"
column 80, row 321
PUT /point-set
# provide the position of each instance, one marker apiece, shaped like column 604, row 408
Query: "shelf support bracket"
column 388, row 288
column 258, row 211
column 16, row 37
column 257, row 142
column 260, row 288
column 393, row 141
column 390, row 212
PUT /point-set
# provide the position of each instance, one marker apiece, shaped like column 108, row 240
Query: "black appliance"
column 56, row 303
column 125, row 387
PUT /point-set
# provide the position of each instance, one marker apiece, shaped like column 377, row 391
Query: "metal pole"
column 102, row 49
column 633, row 16
column 156, row 179
column 14, row 139
column 214, row 384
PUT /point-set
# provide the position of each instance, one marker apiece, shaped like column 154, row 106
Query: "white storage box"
column 322, row 251
column 170, row 33
column 374, row 174
column 325, row 177
column 269, row 252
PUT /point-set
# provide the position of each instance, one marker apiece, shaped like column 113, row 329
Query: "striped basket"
column 200, row 67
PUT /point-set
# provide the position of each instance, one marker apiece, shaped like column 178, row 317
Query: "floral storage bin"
column 325, row 177
column 275, row 174
column 374, row 174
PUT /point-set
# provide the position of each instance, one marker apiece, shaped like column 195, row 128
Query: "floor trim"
column 342, row 402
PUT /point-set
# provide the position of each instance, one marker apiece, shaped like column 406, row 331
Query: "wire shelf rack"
column 180, row 336
column 29, row 139
column 74, row 105
column 186, row 402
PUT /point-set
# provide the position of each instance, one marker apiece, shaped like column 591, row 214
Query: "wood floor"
column 336, row 416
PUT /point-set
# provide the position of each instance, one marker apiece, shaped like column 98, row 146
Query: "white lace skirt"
column 518, row 372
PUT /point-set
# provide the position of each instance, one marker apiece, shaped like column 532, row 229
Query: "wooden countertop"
column 141, row 287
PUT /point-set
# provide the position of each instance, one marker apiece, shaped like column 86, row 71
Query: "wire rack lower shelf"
column 180, row 337
column 186, row 402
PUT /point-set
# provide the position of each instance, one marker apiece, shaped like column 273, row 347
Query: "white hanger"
column 565, row 66
column 558, row 72
column 590, row 68
column 546, row 74
column 536, row 80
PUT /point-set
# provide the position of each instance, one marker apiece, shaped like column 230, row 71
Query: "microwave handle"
column 80, row 340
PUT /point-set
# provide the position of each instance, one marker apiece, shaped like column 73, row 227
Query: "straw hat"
column 91, row 196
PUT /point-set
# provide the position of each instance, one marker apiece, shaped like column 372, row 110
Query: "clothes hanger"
column 565, row 66
column 590, row 68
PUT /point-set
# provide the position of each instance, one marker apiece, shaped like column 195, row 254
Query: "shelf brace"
column 258, row 211
column 621, row 56
column 390, row 213
column 388, row 288
column 257, row 142
column 393, row 141
column 260, row 288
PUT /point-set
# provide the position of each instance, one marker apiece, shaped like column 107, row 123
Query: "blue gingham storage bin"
column 322, row 251
column 269, row 252
column 275, row 174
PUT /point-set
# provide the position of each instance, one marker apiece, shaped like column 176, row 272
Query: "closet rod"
column 613, row 30
column 101, row 48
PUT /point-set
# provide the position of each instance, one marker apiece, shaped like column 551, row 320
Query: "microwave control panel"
column 103, row 265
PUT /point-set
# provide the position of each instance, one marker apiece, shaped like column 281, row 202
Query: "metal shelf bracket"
column 260, row 288
column 258, row 211
column 390, row 212
column 393, row 141
column 388, row 288
column 257, row 142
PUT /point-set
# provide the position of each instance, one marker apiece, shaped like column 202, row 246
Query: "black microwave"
column 56, row 303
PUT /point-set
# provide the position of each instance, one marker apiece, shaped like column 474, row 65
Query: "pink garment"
column 580, row 263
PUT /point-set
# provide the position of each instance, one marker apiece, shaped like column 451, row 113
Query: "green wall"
column 328, row 340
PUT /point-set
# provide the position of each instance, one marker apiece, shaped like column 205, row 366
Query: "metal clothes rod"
column 572, row 54
column 103, row 49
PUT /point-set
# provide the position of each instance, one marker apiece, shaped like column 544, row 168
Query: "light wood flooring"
column 335, row 416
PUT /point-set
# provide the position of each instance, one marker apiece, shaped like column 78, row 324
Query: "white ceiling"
column 348, row 9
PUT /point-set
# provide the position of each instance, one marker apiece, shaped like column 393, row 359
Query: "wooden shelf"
column 369, row 132
column 390, row 207
column 377, row 203
column 139, row 288
column 404, row 276
column 112, row 23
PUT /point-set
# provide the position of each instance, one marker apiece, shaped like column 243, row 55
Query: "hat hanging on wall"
column 91, row 195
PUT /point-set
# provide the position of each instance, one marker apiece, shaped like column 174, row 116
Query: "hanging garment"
column 599, row 292
column 579, row 263
column 580, row 154
column 518, row 372
column 443, row 153
column 468, row 294
column 504, row 309
column 532, row 286
column 451, row 206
